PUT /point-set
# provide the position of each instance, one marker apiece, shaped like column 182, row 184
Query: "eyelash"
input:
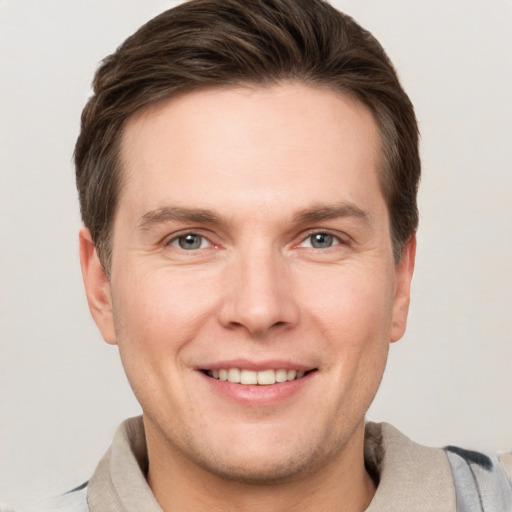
column 174, row 241
column 335, row 239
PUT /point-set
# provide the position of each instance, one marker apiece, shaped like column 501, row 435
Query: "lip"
column 257, row 366
column 255, row 396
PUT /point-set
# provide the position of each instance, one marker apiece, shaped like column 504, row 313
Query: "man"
column 247, row 174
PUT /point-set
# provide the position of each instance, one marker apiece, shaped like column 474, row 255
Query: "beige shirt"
column 412, row 478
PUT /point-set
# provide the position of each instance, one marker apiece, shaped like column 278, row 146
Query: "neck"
column 340, row 484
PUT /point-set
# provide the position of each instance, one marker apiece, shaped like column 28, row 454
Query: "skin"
column 271, row 167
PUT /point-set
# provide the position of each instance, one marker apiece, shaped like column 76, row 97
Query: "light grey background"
column 63, row 391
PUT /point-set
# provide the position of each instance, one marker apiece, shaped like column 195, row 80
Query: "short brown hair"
column 219, row 43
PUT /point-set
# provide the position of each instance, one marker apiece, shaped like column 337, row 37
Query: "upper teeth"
column 263, row 377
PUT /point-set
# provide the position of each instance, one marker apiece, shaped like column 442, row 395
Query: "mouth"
column 246, row 377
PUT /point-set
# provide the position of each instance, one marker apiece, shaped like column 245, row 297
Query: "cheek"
column 357, row 329
column 156, row 316
column 353, row 308
column 162, row 303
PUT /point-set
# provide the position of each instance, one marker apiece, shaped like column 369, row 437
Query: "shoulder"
column 72, row 501
column 443, row 479
column 411, row 477
column 480, row 478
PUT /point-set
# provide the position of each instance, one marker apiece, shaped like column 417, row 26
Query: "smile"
column 251, row 377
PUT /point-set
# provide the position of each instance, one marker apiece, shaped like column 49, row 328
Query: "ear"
column 403, row 273
column 97, row 287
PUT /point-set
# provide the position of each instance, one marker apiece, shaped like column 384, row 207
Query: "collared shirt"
column 411, row 477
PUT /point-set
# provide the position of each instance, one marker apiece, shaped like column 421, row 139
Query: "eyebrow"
column 167, row 214
column 326, row 212
column 204, row 216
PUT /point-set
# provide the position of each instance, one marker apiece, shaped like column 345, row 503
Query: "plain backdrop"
column 449, row 381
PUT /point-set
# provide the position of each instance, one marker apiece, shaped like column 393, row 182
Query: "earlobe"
column 403, row 272
column 97, row 287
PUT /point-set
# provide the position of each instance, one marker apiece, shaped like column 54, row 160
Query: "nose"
column 258, row 294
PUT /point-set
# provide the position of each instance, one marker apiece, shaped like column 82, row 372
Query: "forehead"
column 231, row 147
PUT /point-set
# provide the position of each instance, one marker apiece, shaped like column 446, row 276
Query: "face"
column 252, row 243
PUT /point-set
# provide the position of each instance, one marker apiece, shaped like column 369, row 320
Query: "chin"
column 254, row 470
column 258, row 459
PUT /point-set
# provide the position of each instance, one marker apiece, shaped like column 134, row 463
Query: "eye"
column 190, row 242
column 320, row 241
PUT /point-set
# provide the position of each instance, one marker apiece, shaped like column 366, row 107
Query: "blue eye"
column 320, row 241
column 190, row 241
